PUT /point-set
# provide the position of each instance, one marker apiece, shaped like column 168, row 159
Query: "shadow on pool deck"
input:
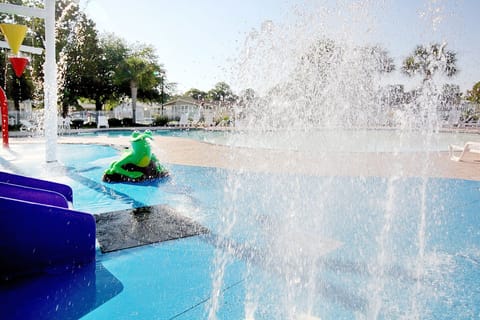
column 62, row 295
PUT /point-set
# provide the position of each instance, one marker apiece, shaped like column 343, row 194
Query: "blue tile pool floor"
column 173, row 279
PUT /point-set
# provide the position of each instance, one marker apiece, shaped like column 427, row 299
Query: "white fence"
column 143, row 116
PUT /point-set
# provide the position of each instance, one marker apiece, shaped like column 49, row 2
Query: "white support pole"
column 50, row 85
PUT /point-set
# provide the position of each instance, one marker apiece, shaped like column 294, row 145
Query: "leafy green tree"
column 450, row 95
column 81, row 69
column 246, row 98
column 323, row 55
column 474, row 94
column 248, row 94
column 111, row 52
column 195, row 94
column 221, row 92
column 430, row 60
column 139, row 70
column 167, row 89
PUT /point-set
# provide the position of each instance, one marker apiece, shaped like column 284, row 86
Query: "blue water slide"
column 38, row 231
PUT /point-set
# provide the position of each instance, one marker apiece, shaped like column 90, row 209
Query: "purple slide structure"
column 63, row 189
column 41, row 196
column 38, row 231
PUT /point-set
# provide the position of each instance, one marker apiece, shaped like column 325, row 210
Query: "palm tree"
column 430, row 60
column 139, row 69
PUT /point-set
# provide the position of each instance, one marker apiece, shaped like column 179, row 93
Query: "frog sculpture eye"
column 135, row 134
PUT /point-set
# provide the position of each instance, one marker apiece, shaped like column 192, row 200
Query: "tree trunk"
column 16, row 93
column 64, row 110
column 134, row 89
column 98, row 104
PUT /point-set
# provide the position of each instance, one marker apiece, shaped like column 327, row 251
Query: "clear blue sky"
column 197, row 41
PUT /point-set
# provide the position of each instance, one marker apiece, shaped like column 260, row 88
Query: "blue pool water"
column 173, row 280
column 214, row 136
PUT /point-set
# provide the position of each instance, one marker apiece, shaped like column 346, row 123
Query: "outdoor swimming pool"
column 329, row 140
column 173, row 280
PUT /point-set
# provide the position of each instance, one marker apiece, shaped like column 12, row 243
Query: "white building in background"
column 176, row 108
column 144, row 113
column 173, row 110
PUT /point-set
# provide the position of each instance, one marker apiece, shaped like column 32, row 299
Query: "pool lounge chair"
column 102, row 122
column 26, row 126
column 469, row 147
column 472, row 124
column 63, row 124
